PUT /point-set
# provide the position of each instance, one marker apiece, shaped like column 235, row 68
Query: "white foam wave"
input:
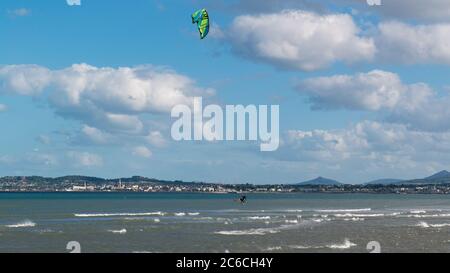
column 23, row 224
column 342, row 210
column 193, row 213
column 427, row 225
column 303, row 247
column 445, row 215
column 120, row 231
column 255, row 231
column 273, row 248
column 179, row 214
column 259, row 218
column 354, row 219
column 258, row 231
column 346, row 245
column 418, row 212
column 119, row 214
column 351, row 215
column 294, row 210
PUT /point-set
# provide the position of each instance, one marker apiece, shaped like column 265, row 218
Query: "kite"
column 201, row 18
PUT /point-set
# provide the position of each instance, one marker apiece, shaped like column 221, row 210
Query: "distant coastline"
column 438, row 183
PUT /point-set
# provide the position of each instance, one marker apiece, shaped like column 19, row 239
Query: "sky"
column 88, row 88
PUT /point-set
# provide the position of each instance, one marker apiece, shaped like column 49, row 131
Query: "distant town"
column 438, row 183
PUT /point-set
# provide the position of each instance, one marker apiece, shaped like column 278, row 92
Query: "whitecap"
column 427, row 225
column 418, row 212
column 350, row 215
column 259, row 218
column 346, row 245
column 354, row 219
column 23, row 224
column 343, row 210
column 273, row 248
column 120, row 231
column 119, row 214
column 256, row 231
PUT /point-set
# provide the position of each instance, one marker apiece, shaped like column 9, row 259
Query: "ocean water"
column 216, row 223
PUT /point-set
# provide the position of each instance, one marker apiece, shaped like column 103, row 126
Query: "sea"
column 217, row 223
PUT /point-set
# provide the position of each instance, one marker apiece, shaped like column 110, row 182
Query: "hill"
column 320, row 181
column 385, row 181
column 442, row 177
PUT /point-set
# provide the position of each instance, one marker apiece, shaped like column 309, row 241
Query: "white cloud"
column 369, row 147
column 300, row 40
column 373, row 91
column 414, row 43
column 24, row 79
column 3, row 108
column 415, row 105
column 106, row 98
column 21, row 12
column 73, row 2
column 85, row 159
column 142, row 151
column 156, row 139
column 95, row 135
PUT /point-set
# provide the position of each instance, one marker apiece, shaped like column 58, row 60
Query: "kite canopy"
column 201, row 18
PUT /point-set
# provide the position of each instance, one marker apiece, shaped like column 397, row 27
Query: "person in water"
column 243, row 199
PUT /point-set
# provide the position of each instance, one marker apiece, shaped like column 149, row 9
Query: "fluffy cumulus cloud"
column 298, row 39
column 84, row 159
column 370, row 145
column 142, row 151
column 24, row 79
column 156, row 139
column 110, row 99
column 415, row 105
column 414, row 43
column 307, row 41
column 373, row 91
column 94, row 135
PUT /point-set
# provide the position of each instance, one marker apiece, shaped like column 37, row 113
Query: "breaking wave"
column 427, row 225
column 292, row 224
column 256, row 231
column 351, row 215
column 342, row 210
column 120, row 231
column 23, row 224
column 119, row 214
column 346, row 245
column 259, row 218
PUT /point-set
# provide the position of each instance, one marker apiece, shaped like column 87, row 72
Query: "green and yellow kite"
column 201, row 18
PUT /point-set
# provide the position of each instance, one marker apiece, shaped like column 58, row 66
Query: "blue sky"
column 362, row 90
